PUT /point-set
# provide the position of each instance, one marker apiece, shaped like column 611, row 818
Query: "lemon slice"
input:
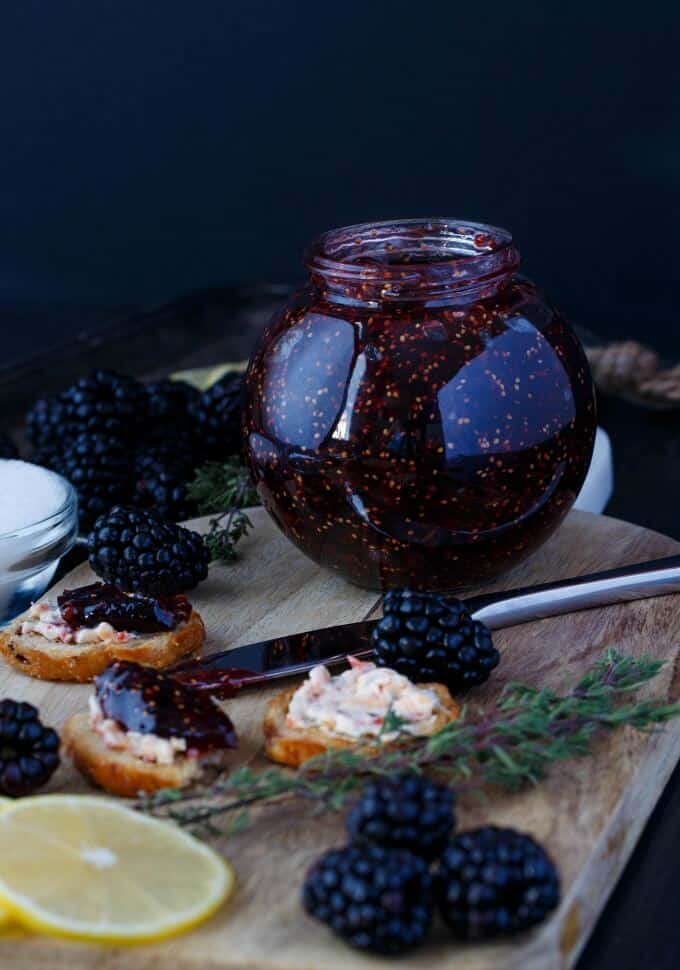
column 205, row 377
column 5, row 918
column 87, row 868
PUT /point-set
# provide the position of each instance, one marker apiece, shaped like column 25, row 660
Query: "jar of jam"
column 418, row 414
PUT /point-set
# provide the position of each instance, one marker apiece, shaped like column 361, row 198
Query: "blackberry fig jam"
column 146, row 701
column 418, row 414
column 105, row 603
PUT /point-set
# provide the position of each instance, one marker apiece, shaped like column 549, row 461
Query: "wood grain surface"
column 589, row 813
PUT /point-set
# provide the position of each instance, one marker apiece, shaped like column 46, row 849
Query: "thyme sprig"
column 514, row 744
column 224, row 488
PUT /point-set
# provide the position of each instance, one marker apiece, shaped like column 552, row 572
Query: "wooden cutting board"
column 589, row 813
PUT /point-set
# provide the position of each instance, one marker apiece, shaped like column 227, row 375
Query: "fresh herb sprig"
column 224, row 488
column 515, row 744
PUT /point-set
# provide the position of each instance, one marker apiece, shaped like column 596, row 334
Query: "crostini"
column 76, row 636
column 349, row 711
column 144, row 731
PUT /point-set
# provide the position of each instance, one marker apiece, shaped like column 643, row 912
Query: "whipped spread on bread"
column 148, row 747
column 46, row 620
column 354, row 704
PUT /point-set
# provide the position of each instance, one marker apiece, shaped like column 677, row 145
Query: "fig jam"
column 133, row 612
column 418, row 415
column 149, row 702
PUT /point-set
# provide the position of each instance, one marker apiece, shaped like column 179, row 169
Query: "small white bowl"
column 29, row 556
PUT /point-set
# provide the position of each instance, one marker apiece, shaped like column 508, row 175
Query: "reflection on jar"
column 418, row 415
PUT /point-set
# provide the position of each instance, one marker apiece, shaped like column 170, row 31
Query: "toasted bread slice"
column 293, row 746
column 121, row 773
column 50, row 660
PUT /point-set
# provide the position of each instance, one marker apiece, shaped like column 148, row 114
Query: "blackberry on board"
column 161, row 484
column 218, row 417
column 100, row 470
column 375, row 899
column 46, row 427
column 404, row 812
column 170, row 446
column 139, row 552
column 29, row 751
column 102, row 403
column 105, row 402
column 432, row 638
column 98, row 467
column 494, row 881
column 7, row 447
column 171, row 401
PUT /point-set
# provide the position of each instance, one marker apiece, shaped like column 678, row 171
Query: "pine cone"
column 663, row 387
column 622, row 366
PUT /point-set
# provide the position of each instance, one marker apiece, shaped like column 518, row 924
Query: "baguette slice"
column 39, row 657
column 293, row 746
column 121, row 773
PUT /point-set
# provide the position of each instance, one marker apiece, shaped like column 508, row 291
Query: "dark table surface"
column 639, row 926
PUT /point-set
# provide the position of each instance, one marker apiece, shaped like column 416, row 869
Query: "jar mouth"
column 409, row 256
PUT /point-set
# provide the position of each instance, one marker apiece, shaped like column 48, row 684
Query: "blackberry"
column 29, row 751
column 376, row 899
column 7, row 447
column 218, row 417
column 493, row 881
column 179, row 448
column 103, row 403
column 46, row 427
column 170, row 401
column 99, row 469
column 406, row 812
column 432, row 638
column 161, row 484
column 135, row 550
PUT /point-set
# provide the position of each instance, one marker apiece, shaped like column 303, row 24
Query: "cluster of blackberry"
column 29, row 751
column 122, row 442
column 380, row 892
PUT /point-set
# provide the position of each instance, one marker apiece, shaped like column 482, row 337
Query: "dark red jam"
column 134, row 612
column 418, row 415
column 149, row 702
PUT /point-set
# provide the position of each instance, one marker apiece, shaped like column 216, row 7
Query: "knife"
column 225, row 673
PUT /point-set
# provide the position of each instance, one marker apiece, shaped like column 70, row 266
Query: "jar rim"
column 407, row 258
column 456, row 241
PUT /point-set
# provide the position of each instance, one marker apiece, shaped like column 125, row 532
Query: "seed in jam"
column 134, row 612
column 149, row 702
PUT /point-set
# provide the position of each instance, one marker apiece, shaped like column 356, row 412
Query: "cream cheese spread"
column 45, row 619
column 147, row 747
column 355, row 703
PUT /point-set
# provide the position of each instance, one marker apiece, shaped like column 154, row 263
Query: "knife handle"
column 658, row 577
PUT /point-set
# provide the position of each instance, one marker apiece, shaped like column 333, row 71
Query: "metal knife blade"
column 226, row 672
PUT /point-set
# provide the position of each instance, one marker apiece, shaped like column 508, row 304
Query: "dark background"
column 149, row 148
column 152, row 148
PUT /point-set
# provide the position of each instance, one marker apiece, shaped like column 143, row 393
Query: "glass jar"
column 418, row 414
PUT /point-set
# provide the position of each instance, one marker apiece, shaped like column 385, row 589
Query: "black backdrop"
column 151, row 148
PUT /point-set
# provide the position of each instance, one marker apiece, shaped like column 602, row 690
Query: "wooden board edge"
column 581, row 909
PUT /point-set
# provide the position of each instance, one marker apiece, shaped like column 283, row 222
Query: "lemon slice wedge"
column 89, row 869
column 5, row 917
